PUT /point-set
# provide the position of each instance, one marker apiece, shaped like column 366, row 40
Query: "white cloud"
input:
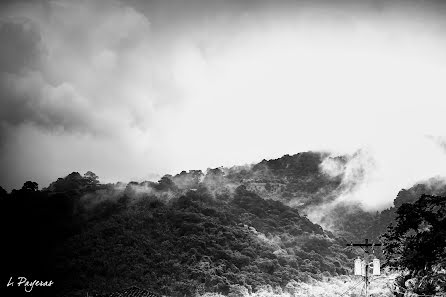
column 125, row 93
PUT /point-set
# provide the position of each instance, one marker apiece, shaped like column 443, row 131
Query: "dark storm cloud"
column 37, row 88
column 20, row 52
column 30, row 100
column 127, row 87
column 182, row 10
column 59, row 67
column 76, row 70
column 20, row 48
column 25, row 96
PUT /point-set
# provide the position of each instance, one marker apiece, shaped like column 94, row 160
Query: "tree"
column 91, row 178
column 166, row 183
column 416, row 245
column 3, row 193
column 30, row 186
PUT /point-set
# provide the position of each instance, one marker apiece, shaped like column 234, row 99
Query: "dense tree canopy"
column 108, row 237
column 416, row 244
column 215, row 231
column 30, row 186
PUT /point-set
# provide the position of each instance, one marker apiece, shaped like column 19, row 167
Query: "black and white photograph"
column 223, row 148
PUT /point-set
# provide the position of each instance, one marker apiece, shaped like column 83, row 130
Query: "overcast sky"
column 132, row 90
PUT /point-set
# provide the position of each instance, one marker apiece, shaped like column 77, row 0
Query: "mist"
column 179, row 86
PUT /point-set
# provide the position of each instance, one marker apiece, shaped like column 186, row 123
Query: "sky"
column 133, row 90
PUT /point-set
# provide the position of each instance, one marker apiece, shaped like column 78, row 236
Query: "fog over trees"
column 197, row 233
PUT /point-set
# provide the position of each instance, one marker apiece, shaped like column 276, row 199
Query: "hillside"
column 296, row 180
column 193, row 232
column 309, row 182
column 96, row 237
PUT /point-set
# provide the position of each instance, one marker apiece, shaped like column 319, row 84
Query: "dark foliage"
column 88, row 237
column 3, row 193
column 192, row 232
column 416, row 245
column 295, row 179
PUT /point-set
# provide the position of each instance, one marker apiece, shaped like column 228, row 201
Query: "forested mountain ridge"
column 296, row 180
column 190, row 233
column 92, row 237
column 307, row 180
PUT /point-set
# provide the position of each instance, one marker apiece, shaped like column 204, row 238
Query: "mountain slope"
column 99, row 238
column 192, row 232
